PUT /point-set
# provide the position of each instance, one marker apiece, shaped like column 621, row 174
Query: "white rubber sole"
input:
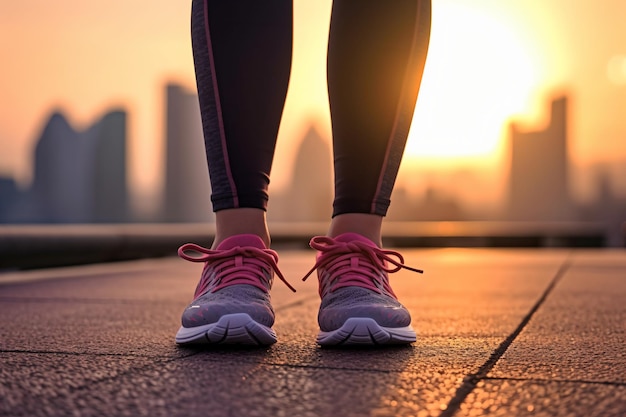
column 230, row 329
column 364, row 331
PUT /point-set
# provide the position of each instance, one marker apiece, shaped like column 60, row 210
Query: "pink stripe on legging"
column 218, row 105
column 401, row 103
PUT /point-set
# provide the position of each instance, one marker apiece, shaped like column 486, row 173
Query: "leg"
column 376, row 56
column 242, row 56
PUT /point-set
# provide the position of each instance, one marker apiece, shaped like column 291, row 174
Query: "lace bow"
column 233, row 269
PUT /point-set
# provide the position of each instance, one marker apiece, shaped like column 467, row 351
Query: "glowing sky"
column 489, row 60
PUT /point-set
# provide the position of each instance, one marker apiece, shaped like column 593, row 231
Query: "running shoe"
column 358, row 306
column 231, row 303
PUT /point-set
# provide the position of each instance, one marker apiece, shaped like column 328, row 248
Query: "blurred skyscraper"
column 187, row 186
column 109, row 180
column 309, row 196
column 538, row 184
column 9, row 194
column 79, row 177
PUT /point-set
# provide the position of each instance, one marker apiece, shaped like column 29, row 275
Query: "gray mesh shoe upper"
column 347, row 302
column 353, row 281
column 237, row 278
column 209, row 307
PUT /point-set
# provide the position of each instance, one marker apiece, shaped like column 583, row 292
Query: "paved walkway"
column 500, row 332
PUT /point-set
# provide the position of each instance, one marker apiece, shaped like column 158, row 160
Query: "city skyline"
column 475, row 81
column 428, row 175
column 80, row 177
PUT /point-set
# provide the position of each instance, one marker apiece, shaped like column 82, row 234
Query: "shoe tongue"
column 241, row 240
column 351, row 237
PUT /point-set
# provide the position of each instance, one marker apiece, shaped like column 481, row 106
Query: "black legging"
column 242, row 54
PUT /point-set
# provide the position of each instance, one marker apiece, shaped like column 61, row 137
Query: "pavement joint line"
column 294, row 365
column 223, row 350
column 101, row 354
column 162, row 361
column 81, row 271
column 145, row 369
column 261, row 362
column 556, row 380
column 88, row 385
column 333, row 368
column 83, row 300
column 471, row 380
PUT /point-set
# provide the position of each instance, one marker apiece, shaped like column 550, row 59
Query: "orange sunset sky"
column 489, row 61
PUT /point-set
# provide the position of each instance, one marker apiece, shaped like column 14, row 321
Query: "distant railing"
column 37, row 246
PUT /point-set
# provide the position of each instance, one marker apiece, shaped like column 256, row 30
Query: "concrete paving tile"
column 297, row 329
column 206, row 384
column 29, row 380
column 154, row 280
column 464, row 355
column 144, row 329
column 544, row 398
column 473, row 292
column 580, row 331
column 169, row 279
column 137, row 312
column 471, row 258
column 600, row 258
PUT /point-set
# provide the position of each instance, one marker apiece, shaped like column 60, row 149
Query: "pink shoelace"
column 239, row 265
column 355, row 264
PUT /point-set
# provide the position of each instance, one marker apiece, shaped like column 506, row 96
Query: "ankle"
column 240, row 221
column 367, row 225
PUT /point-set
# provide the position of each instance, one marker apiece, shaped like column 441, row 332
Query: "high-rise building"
column 538, row 183
column 79, row 177
column 309, row 197
column 60, row 188
column 9, row 193
column 109, row 186
column 187, row 187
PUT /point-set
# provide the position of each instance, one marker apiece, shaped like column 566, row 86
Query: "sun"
column 479, row 72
